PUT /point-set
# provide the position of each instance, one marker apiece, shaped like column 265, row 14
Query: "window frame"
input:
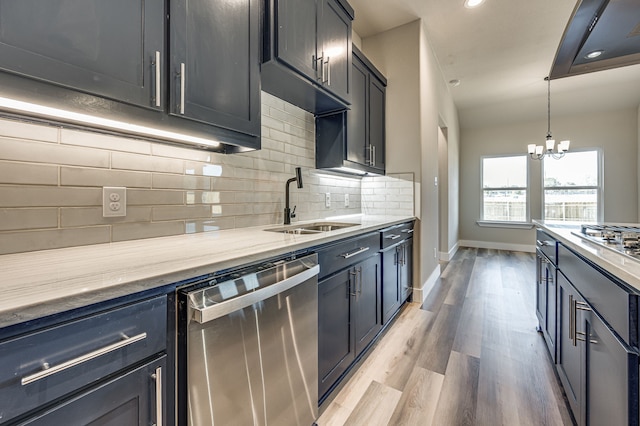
column 506, row 223
column 599, row 188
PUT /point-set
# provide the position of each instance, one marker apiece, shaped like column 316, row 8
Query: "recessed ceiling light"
column 594, row 54
column 454, row 82
column 472, row 3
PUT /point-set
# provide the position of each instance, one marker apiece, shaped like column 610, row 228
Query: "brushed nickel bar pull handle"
column 572, row 320
column 157, row 376
column 328, row 71
column 541, row 243
column 408, row 231
column 360, row 250
column 404, row 255
column 354, row 293
column 392, row 237
column 360, row 280
column 81, row 359
column 157, row 64
column 373, row 157
column 182, row 86
column 321, row 59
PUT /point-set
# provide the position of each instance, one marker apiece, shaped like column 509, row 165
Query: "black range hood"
column 608, row 26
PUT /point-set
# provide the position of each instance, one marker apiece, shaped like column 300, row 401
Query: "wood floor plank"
column 419, row 399
column 435, row 354
column 457, row 402
column 334, row 415
column 376, row 406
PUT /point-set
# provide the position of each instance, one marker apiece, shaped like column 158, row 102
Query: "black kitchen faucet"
column 288, row 214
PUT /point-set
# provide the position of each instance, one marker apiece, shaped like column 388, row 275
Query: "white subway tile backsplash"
column 23, row 130
column 28, row 174
column 51, row 183
column 21, row 219
column 42, row 152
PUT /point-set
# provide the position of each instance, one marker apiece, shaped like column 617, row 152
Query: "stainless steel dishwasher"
column 248, row 346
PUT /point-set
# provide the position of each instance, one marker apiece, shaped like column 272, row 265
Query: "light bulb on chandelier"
column 538, row 152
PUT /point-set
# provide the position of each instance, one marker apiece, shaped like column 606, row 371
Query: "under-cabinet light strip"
column 41, row 110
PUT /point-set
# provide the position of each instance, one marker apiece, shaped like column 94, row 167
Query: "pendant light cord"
column 548, row 107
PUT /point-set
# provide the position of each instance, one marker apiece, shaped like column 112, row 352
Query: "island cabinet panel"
column 597, row 342
column 215, row 63
column 104, row 48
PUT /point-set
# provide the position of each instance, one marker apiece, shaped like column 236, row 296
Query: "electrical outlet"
column 114, row 201
column 327, row 199
column 346, row 200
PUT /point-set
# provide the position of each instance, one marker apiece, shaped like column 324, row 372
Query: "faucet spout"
column 288, row 214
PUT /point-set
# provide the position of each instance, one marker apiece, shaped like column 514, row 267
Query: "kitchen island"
column 587, row 307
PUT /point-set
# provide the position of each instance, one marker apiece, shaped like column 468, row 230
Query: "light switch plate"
column 346, row 200
column 114, row 201
column 327, row 199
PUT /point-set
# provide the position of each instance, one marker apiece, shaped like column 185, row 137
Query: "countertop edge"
column 24, row 311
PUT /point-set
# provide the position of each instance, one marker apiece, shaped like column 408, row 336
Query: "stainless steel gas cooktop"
column 624, row 239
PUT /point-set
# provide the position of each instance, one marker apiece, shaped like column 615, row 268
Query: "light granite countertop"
column 42, row 283
column 625, row 268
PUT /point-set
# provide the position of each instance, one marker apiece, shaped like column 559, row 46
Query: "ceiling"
column 501, row 52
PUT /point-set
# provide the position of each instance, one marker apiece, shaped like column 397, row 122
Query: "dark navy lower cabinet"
column 136, row 397
column 597, row 356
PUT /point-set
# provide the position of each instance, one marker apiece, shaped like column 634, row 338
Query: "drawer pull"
column 81, row 359
column 392, row 237
column 408, row 231
column 157, row 376
column 354, row 253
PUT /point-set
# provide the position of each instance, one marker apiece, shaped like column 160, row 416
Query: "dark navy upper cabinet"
column 306, row 58
column 114, row 49
column 355, row 139
column 334, row 48
column 215, row 63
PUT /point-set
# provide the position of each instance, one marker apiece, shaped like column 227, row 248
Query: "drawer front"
column 395, row 234
column 608, row 298
column 547, row 245
column 42, row 366
column 339, row 256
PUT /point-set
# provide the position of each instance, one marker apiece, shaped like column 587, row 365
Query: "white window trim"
column 599, row 188
column 505, row 224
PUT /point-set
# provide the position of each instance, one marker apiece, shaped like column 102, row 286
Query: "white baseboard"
column 420, row 294
column 528, row 248
column 445, row 257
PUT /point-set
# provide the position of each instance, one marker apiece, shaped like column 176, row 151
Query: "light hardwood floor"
column 469, row 356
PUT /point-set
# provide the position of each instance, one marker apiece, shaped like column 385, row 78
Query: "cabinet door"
column 215, row 63
column 366, row 310
column 105, row 48
column 406, row 270
column 376, row 122
column 334, row 47
column 391, row 292
column 134, row 398
column 569, row 358
column 357, row 125
column 612, row 376
column 335, row 339
column 295, row 42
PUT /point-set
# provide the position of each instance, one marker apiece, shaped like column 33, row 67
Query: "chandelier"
column 538, row 152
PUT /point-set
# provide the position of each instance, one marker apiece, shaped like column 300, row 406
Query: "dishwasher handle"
column 209, row 313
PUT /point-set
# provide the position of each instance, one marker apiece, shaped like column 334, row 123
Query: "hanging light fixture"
column 538, row 152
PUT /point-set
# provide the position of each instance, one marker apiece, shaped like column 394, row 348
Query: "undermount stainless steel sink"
column 312, row 228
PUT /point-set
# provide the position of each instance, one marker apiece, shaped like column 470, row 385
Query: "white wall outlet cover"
column 327, row 199
column 114, row 201
column 346, row 200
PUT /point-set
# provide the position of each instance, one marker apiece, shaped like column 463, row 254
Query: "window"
column 572, row 187
column 504, row 189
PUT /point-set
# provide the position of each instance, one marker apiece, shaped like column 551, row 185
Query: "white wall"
column 616, row 132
